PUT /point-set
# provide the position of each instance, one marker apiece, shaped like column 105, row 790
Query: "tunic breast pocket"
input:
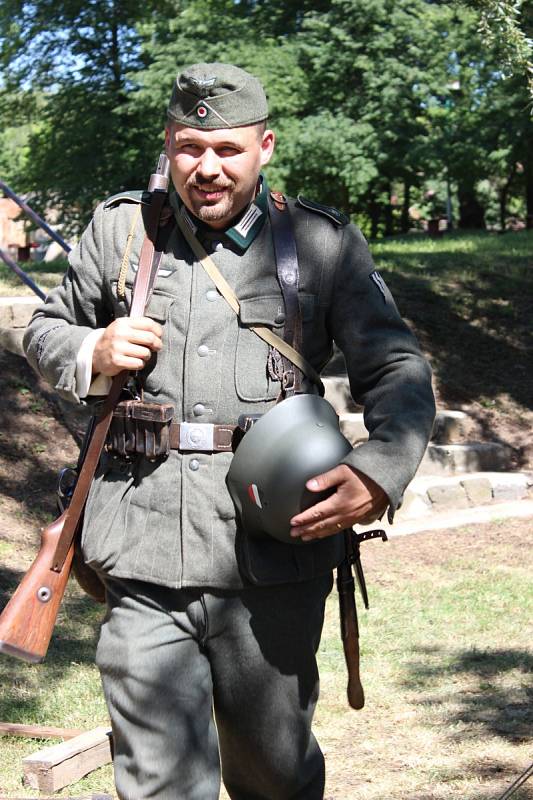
column 157, row 372
column 252, row 380
column 158, row 309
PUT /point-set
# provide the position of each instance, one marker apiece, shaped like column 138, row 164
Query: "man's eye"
column 227, row 152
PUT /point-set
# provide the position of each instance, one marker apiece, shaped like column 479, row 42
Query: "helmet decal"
column 253, row 494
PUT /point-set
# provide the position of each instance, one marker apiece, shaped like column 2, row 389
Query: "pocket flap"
column 158, row 305
column 270, row 310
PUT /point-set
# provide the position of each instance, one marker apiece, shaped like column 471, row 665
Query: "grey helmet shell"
column 296, row 440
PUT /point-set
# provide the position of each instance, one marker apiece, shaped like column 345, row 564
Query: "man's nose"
column 209, row 166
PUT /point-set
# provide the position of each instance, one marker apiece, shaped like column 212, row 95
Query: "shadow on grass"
column 484, row 704
column 26, row 410
column 476, row 351
column 73, row 641
column 477, row 331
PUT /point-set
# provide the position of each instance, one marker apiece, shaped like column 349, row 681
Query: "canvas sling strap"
column 141, row 291
column 230, row 297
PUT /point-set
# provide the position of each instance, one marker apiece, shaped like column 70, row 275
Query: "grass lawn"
column 470, row 300
column 45, row 274
column 446, row 665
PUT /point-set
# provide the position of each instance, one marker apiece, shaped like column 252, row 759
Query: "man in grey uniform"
column 207, row 652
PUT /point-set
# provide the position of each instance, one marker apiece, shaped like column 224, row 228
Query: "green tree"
column 70, row 60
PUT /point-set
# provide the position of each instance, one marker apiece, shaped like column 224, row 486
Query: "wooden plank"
column 37, row 731
column 85, row 797
column 55, row 767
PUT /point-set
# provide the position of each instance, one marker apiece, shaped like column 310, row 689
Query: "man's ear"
column 268, row 143
column 168, row 134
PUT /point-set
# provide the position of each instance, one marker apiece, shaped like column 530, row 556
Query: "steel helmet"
column 294, row 441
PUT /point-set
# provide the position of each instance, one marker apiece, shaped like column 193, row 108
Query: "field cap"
column 211, row 96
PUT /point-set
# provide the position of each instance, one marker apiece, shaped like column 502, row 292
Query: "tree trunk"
column 405, row 221
column 528, row 177
column 504, row 193
column 374, row 209
column 389, row 218
column 471, row 212
column 116, row 65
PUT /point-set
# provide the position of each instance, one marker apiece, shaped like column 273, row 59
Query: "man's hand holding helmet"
column 357, row 499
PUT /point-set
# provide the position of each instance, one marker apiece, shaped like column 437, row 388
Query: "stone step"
column 442, row 459
column 445, row 520
column 457, row 459
column 428, row 495
column 11, row 340
column 450, row 426
column 15, row 312
column 337, row 392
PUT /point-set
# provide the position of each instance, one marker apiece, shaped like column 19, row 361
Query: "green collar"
column 244, row 231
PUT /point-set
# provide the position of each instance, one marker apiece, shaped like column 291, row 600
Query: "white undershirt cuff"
column 85, row 385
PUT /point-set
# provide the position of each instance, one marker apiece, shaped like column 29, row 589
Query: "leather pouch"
column 140, row 428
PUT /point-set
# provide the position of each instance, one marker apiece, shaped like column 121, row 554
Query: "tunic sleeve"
column 75, row 308
column 388, row 374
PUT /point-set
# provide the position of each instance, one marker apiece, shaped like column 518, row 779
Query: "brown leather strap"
column 288, row 277
column 141, row 291
column 201, row 438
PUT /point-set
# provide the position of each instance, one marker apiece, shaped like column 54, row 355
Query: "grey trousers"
column 203, row 682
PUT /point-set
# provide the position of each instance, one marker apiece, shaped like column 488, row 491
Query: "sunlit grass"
column 46, row 275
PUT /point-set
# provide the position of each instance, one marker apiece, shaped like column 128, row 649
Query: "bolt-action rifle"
column 27, row 622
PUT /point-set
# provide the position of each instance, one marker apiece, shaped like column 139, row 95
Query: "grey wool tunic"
column 172, row 522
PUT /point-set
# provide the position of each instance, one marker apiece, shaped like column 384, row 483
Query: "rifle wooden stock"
column 350, row 633
column 27, row 622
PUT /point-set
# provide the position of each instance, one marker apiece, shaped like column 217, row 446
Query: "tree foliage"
column 379, row 105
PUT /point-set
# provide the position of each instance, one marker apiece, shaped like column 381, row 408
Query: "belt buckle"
column 197, row 436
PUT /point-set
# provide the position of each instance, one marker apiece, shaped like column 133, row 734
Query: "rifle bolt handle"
column 44, row 594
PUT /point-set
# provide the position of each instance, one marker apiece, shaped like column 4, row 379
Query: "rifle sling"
column 141, row 291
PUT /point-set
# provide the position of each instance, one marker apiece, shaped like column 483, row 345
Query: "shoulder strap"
column 288, row 277
column 231, row 298
column 158, row 188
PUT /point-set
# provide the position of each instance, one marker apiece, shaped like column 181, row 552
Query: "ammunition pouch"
column 139, row 428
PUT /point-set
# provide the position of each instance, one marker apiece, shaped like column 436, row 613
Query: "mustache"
column 199, row 182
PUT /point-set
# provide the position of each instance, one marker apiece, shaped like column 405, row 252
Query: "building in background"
column 14, row 234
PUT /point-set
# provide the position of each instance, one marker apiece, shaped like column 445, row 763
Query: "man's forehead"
column 218, row 136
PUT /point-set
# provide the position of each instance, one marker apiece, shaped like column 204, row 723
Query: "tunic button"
column 211, row 295
column 198, row 409
column 218, row 246
column 203, row 350
column 194, row 464
column 280, row 319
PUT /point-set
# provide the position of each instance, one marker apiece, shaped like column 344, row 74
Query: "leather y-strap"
column 288, row 277
column 141, row 290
